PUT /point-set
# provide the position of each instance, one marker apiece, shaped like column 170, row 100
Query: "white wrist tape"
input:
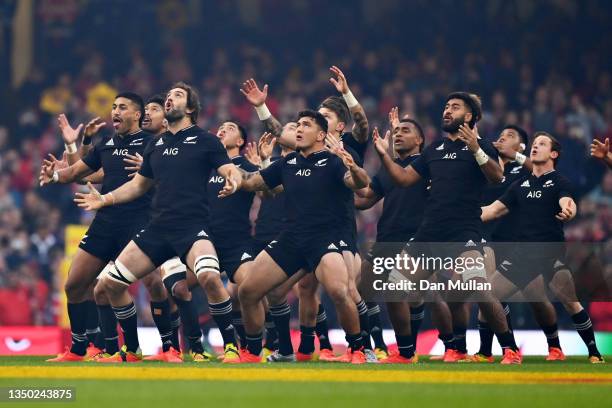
column 263, row 112
column 481, row 157
column 265, row 163
column 71, row 148
column 55, row 176
column 350, row 99
column 520, row 158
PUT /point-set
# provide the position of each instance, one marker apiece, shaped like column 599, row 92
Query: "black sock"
column 486, row 339
column 108, row 324
column 355, row 342
column 191, row 326
column 126, row 316
column 322, row 329
column 405, row 345
column 271, row 342
column 376, row 326
column 222, row 313
column 552, row 335
column 417, row 314
column 92, row 329
column 239, row 326
column 584, row 327
column 175, row 323
column 506, row 340
column 364, row 324
column 506, row 307
column 253, row 343
column 77, row 313
column 282, row 316
column 307, row 335
column 448, row 339
column 459, row 334
column 161, row 316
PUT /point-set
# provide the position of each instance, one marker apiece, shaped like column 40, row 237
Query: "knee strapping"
column 206, row 263
column 119, row 273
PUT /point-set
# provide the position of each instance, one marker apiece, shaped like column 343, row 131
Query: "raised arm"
column 49, row 174
column 601, row 151
column 511, row 154
column 403, row 176
column 360, row 125
column 492, row 211
column 91, row 129
column 490, row 168
column 257, row 98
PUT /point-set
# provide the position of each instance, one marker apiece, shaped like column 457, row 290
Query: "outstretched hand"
column 135, row 163
column 265, row 145
column 339, row 81
column 47, row 169
column 469, row 137
column 90, row 201
column 93, row 127
column 250, row 153
column 381, row 143
column 568, row 210
column 394, row 119
column 253, row 94
column 600, row 150
column 69, row 134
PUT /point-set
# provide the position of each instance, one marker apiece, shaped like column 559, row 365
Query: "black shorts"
column 385, row 250
column 106, row 239
column 447, row 242
column 231, row 257
column 161, row 243
column 348, row 240
column 293, row 252
column 259, row 245
column 522, row 264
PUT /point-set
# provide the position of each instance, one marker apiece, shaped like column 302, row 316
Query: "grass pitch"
column 534, row 384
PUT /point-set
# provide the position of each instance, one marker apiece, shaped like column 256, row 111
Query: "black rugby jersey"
column 503, row 229
column 108, row 154
column 457, row 183
column 229, row 217
column 181, row 164
column 402, row 206
column 360, row 148
column 314, row 190
column 536, row 199
column 272, row 216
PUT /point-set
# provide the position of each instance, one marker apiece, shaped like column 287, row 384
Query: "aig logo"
column 120, row 152
column 303, row 172
column 450, row 156
column 216, row 179
column 170, row 151
column 534, row 194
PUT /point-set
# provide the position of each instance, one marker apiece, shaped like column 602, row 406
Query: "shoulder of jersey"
column 242, row 163
column 290, row 159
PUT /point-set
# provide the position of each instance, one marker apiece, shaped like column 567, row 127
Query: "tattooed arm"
column 257, row 98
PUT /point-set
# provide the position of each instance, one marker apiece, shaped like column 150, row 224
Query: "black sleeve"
column 93, row 159
column 509, row 198
column 489, row 149
column 145, row 169
column 565, row 188
column 376, row 186
column 273, row 174
column 217, row 155
column 420, row 164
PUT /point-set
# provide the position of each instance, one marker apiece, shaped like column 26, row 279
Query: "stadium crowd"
column 549, row 83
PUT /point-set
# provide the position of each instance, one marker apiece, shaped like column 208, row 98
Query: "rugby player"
column 112, row 228
column 316, row 183
column 178, row 164
column 459, row 166
column 544, row 201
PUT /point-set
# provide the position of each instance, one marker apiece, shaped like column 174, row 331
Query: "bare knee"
column 155, row 287
column 210, row 281
column 75, row 290
column 338, row 293
column 100, row 295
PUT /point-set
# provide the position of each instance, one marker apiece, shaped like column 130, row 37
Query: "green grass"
column 110, row 393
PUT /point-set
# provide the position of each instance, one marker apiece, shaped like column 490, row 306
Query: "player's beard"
column 453, row 126
column 175, row 115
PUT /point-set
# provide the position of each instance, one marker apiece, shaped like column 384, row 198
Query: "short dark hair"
column 241, row 130
column 137, row 100
column 555, row 146
column 522, row 133
column 419, row 130
column 472, row 101
column 193, row 99
column 157, row 99
column 337, row 105
column 318, row 118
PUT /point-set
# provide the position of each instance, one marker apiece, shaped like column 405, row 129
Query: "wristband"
column 71, row 148
column 263, row 112
column 481, row 157
column 520, row 158
column 112, row 197
column 265, row 163
column 55, row 177
column 86, row 141
column 350, row 99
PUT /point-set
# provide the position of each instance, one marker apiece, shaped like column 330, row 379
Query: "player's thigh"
column 563, row 287
column 135, row 261
column 308, row 286
column 331, row 272
column 264, row 275
column 199, row 249
column 241, row 273
column 503, row 288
